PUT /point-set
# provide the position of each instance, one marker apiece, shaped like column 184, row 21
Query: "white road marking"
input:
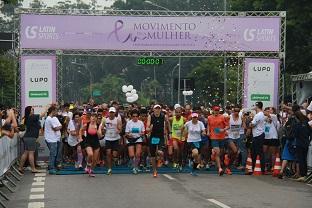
column 218, row 203
column 39, row 179
column 36, row 205
column 38, row 183
column 40, row 174
column 169, row 177
column 36, row 196
column 37, row 190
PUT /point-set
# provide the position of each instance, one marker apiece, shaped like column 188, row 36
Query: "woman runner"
column 195, row 129
column 134, row 134
column 92, row 144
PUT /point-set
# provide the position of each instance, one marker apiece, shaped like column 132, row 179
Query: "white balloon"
column 135, row 97
column 191, row 92
column 124, row 89
column 184, row 92
column 133, row 91
column 130, row 87
column 129, row 99
column 128, row 94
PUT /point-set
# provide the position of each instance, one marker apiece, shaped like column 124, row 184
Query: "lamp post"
column 90, row 76
column 172, row 82
column 225, row 70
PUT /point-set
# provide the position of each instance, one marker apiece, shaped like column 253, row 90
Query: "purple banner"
column 150, row 33
column 38, row 82
column 261, row 79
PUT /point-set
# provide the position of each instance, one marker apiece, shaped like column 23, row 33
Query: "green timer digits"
column 150, row 61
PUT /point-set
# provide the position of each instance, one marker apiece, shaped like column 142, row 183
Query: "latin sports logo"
column 31, row 32
column 249, row 34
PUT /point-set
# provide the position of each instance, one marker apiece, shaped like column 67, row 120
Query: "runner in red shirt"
column 216, row 129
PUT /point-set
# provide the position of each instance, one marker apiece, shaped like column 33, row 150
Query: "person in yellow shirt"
column 178, row 140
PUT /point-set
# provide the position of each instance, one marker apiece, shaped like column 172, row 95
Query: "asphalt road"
column 172, row 190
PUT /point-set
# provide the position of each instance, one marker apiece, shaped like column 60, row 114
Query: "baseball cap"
column 216, row 108
column 177, row 106
column 112, row 109
column 157, row 106
column 194, row 115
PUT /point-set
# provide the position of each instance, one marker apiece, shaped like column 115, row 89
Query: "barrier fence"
column 9, row 153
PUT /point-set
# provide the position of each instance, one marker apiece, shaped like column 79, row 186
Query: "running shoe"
column 109, row 172
column 86, row 169
column 155, row 174
column 193, row 173
column 175, row 165
column 221, row 172
column 180, row 168
column 207, row 167
column 91, row 173
column 134, row 171
column 240, row 168
column 228, row 171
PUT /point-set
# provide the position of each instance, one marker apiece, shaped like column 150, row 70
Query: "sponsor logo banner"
column 150, row 33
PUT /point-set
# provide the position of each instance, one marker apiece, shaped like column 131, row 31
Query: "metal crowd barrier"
column 9, row 154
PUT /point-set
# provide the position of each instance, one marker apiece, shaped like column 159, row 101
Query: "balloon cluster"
column 187, row 92
column 131, row 93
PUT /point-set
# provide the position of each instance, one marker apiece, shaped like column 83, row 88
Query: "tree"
column 7, row 83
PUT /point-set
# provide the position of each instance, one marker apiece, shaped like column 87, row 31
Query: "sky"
column 105, row 3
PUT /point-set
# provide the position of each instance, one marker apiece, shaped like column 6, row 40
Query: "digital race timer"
column 150, row 61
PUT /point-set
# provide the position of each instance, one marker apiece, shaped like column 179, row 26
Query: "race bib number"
column 178, row 133
column 155, row 140
column 135, row 130
column 267, row 129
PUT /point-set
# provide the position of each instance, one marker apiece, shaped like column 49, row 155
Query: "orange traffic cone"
column 226, row 160
column 248, row 169
column 277, row 166
column 257, row 170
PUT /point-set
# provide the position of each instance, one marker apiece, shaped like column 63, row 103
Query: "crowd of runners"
column 147, row 138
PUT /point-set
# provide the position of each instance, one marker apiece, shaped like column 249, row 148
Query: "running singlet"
column 111, row 129
column 158, row 126
column 176, row 128
column 235, row 127
column 216, row 123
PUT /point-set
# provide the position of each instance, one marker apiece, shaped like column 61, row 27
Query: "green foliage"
column 7, row 84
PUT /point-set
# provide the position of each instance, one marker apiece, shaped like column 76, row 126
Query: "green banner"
column 38, row 94
column 260, row 97
column 96, row 93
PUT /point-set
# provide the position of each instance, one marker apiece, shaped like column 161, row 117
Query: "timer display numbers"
column 150, row 61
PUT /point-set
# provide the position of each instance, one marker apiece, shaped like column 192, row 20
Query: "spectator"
column 52, row 136
column 33, row 127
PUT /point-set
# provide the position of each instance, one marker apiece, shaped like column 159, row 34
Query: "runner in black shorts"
column 91, row 144
column 134, row 134
column 156, row 127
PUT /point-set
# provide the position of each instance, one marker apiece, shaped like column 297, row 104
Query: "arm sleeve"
column 55, row 122
column 127, row 128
